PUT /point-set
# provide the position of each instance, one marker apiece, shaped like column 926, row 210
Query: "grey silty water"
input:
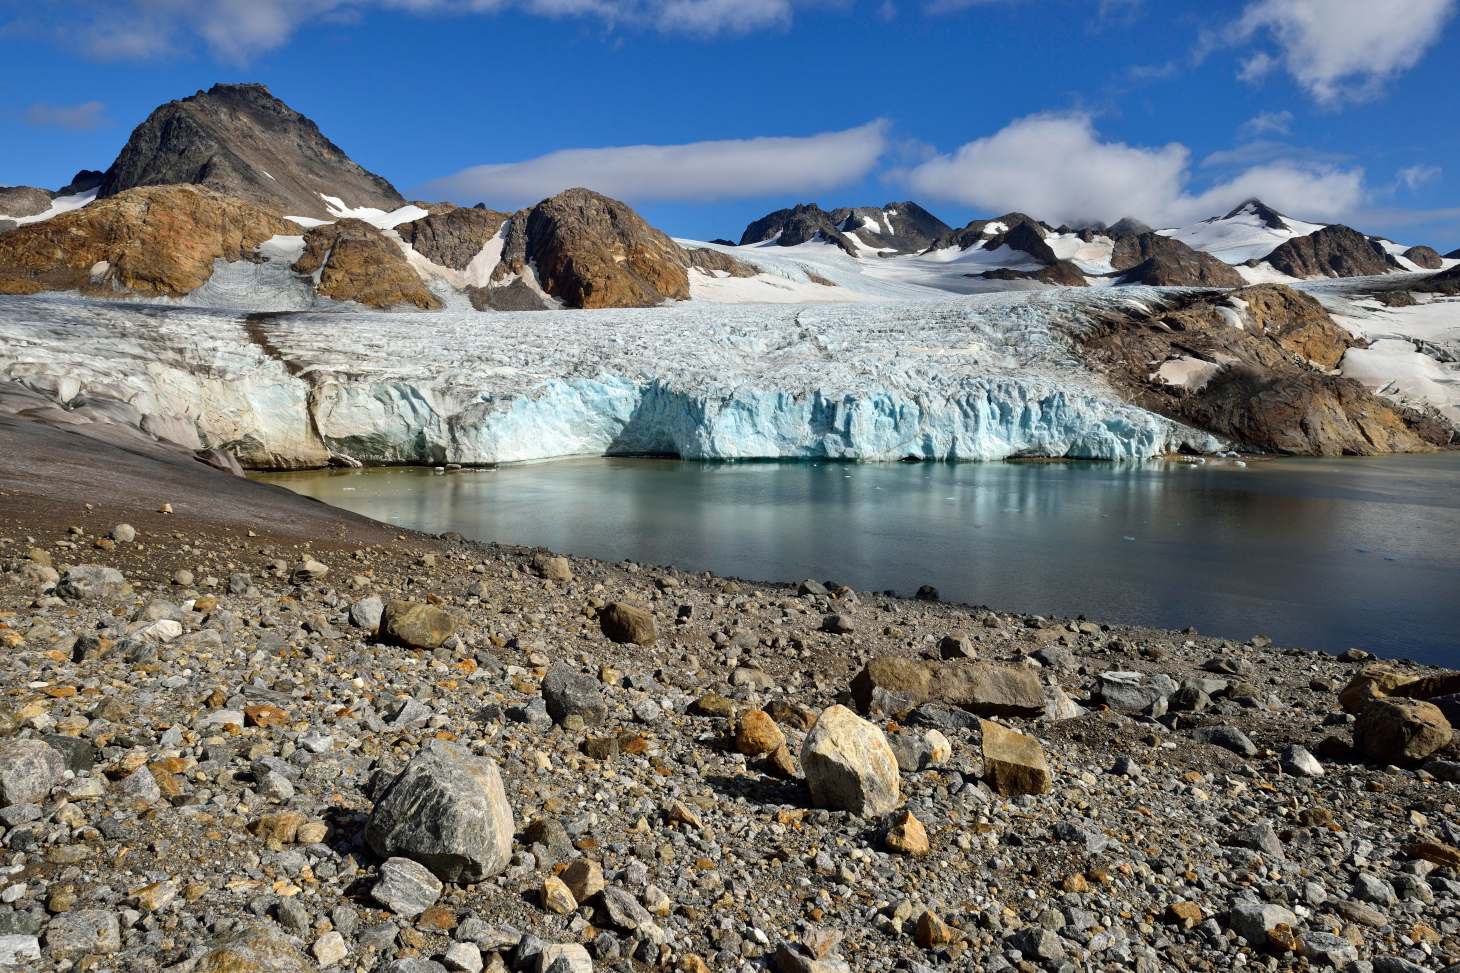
column 1319, row 553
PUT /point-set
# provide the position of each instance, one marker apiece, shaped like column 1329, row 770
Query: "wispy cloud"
column 1416, row 176
column 1057, row 167
column 85, row 117
column 1280, row 122
column 1339, row 50
column 694, row 172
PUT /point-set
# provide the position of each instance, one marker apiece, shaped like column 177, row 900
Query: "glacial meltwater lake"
column 1319, row 553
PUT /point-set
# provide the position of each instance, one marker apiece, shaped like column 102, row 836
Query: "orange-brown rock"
column 711, row 260
column 1252, row 365
column 356, row 262
column 154, row 242
column 591, row 251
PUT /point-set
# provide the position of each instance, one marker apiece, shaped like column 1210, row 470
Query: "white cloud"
column 238, row 30
column 1341, row 49
column 1416, row 176
column 1056, row 168
column 696, row 172
column 1268, row 121
column 85, row 117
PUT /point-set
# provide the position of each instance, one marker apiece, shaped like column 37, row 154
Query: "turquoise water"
column 1324, row 554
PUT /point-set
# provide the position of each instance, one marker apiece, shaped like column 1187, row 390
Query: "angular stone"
column 306, row 571
column 1434, row 853
column 957, row 646
column 624, row 911
column 447, row 810
column 757, row 733
column 564, row 958
column 17, row 949
column 1226, row 737
column 1038, row 943
column 78, row 932
column 908, row 836
column 416, row 625
column 1260, row 837
column 556, row 897
column 1058, row 706
column 555, row 569
column 1326, row 949
column 330, row 949
column 931, row 932
column 406, row 888
column 569, row 693
column 989, row 690
column 1184, row 913
column 1012, row 762
column 463, row 958
column 1400, row 731
column 263, row 948
column 627, row 624
column 90, row 581
column 28, row 771
column 849, row 766
column 1135, row 692
column 1298, row 762
column 1371, row 683
column 894, row 674
column 366, row 613
column 584, row 879
column 1252, row 920
column 791, row 714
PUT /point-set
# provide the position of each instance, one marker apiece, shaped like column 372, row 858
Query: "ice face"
column 979, row 378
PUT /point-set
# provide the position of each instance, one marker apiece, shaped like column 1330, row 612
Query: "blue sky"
column 718, row 111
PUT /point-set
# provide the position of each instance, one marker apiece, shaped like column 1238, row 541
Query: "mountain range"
column 229, row 199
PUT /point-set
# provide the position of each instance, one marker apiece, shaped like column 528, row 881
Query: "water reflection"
column 1320, row 553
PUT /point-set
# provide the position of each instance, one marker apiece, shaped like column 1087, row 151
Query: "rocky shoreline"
column 229, row 744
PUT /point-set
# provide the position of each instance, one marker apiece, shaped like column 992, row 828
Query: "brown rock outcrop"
column 24, row 200
column 1400, row 731
column 1256, row 362
column 591, row 251
column 357, row 262
column 241, row 140
column 1426, row 257
column 1334, row 251
column 710, row 260
column 454, row 236
column 1149, row 258
column 155, row 242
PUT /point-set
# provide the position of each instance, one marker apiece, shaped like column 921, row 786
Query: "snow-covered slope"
column 1249, row 232
column 964, row 379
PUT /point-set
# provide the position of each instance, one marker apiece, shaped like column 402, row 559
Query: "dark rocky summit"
column 24, row 200
column 1128, row 224
column 84, row 181
column 977, row 233
column 897, row 227
column 1254, row 365
column 1149, row 258
column 240, row 140
column 453, row 236
column 1334, row 251
column 155, row 242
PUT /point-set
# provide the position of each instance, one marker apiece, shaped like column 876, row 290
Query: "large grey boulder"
column 1136, row 692
column 1226, row 737
column 448, row 811
column 849, row 765
column 87, row 581
column 1252, row 920
column 28, row 771
column 568, row 693
column 72, row 934
column 406, row 888
column 366, row 613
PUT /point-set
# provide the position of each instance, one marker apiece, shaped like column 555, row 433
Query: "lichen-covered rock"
column 262, row 948
column 416, row 625
column 1401, row 731
column 354, row 261
column 849, row 765
column 1013, row 763
column 154, row 242
column 448, row 811
column 28, row 771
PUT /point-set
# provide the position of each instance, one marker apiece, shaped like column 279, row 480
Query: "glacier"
column 984, row 377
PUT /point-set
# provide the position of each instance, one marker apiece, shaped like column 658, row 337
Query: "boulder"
column 1371, row 683
column 627, row 624
column 1136, row 692
column 1013, row 763
column 570, row 693
column 1298, row 762
column 1226, row 737
column 406, row 887
column 1252, row 920
column 1400, row 731
column 28, row 771
column 553, row 568
column 89, row 581
column 447, row 810
column 989, row 690
column 366, row 613
column 563, row 958
column 757, row 733
column 262, row 948
column 894, row 674
column 908, row 836
column 957, row 646
column 416, row 625
column 1058, row 706
column 74, row 934
column 849, row 766
column 306, row 571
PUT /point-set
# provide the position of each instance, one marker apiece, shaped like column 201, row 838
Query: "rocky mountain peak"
column 1253, row 206
column 1334, row 251
column 894, row 228
column 241, row 140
